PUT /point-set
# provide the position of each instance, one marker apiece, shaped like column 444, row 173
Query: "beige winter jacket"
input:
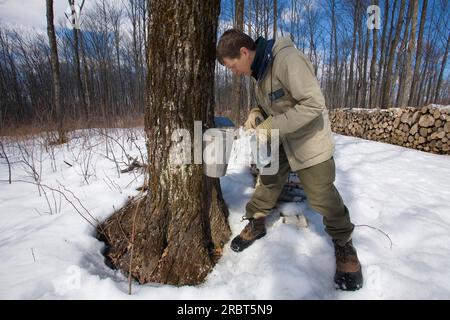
column 290, row 92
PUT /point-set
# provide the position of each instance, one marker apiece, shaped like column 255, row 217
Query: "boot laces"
column 344, row 252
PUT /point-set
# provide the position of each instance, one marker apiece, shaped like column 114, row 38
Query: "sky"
column 32, row 13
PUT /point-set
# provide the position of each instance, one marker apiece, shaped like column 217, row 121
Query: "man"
column 290, row 100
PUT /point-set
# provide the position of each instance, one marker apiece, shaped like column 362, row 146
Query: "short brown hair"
column 230, row 44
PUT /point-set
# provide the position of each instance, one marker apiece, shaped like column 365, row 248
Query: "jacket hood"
column 281, row 43
column 263, row 57
column 266, row 50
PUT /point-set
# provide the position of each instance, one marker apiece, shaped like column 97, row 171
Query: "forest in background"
column 103, row 66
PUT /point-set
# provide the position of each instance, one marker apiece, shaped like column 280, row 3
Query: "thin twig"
column 7, row 161
column 115, row 161
column 67, row 163
column 48, row 202
column 133, row 180
column 365, row 225
column 132, row 241
column 110, row 183
column 134, row 164
column 32, row 252
column 67, row 199
column 73, row 195
column 118, row 219
column 140, row 152
column 116, row 141
column 54, row 201
column 31, row 166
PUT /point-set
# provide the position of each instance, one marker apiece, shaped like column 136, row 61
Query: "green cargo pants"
column 320, row 191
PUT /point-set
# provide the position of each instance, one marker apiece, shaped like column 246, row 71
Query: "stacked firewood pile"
column 426, row 128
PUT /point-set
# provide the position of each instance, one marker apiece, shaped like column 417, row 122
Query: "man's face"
column 240, row 65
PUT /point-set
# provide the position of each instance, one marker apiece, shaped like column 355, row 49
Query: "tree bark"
column 385, row 101
column 237, row 98
column 413, row 93
column 275, row 19
column 76, row 52
column 85, row 78
column 373, row 65
column 441, row 72
column 55, row 70
column 385, row 50
column 359, row 62
column 349, row 97
column 364, row 74
column 266, row 18
column 382, row 54
column 401, row 57
column 257, row 7
column 404, row 94
column 423, row 76
column 335, row 82
column 250, row 85
column 183, row 223
column 331, row 86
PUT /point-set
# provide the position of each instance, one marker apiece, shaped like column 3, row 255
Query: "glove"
column 261, row 139
column 264, row 135
column 254, row 119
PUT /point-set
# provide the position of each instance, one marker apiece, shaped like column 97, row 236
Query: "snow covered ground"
column 48, row 251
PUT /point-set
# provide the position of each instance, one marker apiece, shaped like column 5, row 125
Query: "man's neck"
column 258, row 63
column 252, row 56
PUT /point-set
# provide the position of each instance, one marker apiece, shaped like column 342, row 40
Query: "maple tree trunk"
column 181, row 224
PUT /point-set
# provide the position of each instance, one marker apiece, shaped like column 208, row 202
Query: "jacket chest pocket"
column 276, row 94
column 280, row 100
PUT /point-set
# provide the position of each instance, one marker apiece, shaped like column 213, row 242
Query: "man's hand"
column 260, row 143
column 254, row 119
column 263, row 131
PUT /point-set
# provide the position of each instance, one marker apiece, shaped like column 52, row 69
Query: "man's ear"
column 243, row 51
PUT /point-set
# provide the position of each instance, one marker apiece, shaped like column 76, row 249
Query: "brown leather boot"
column 254, row 230
column 348, row 269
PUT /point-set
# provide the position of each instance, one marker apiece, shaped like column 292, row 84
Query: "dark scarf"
column 263, row 57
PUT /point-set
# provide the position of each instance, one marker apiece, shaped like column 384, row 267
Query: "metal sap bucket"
column 217, row 146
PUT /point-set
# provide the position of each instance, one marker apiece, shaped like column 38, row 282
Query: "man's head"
column 236, row 51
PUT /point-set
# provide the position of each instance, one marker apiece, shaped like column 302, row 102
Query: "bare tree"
column 349, row 97
column 364, row 69
column 415, row 80
column 385, row 47
column 76, row 51
column 404, row 94
column 116, row 15
column 385, row 101
column 238, row 99
column 102, row 72
column 373, row 65
column 275, row 16
column 183, row 223
column 136, row 10
column 312, row 22
column 382, row 53
column 400, row 69
column 441, row 72
column 446, row 42
column 55, row 71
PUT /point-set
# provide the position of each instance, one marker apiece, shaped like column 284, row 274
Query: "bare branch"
column 71, row 203
column 365, row 225
column 7, row 161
